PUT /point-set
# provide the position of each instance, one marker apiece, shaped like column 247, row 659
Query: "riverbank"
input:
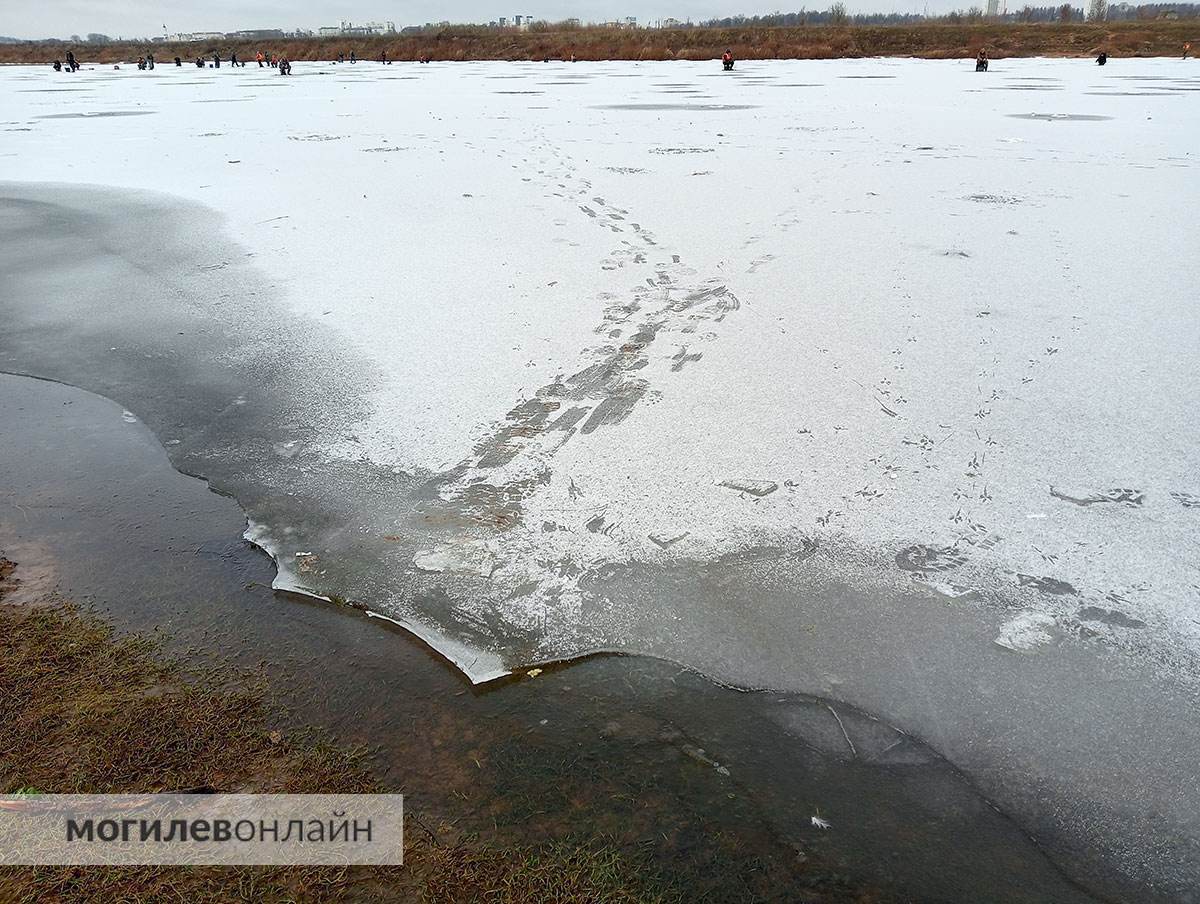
column 88, row 711
column 935, row 40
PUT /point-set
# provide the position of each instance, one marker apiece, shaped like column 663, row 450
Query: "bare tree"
column 1066, row 13
column 1098, row 10
column 837, row 13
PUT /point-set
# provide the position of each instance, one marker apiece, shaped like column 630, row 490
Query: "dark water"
column 718, row 787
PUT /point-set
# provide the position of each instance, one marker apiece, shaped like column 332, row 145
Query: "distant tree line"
column 836, row 14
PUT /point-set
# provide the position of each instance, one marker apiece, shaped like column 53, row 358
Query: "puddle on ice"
column 1061, row 117
column 690, row 108
column 95, row 115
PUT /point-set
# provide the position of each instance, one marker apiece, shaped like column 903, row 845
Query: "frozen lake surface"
column 868, row 379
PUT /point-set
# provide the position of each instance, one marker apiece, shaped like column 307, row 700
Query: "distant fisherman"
column 285, row 68
column 259, row 56
column 727, row 60
column 353, row 58
column 72, row 63
column 981, row 61
column 216, row 60
column 149, row 61
column 1102, row 59
column 233, row 59
column 178, row 61
column 58, row 66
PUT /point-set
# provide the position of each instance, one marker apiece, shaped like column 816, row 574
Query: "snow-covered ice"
column 874, row 379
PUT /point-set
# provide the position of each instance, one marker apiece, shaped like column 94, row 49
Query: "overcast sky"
column 62, row 18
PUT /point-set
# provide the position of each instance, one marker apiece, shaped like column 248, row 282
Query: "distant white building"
column 993, row 8
column 349, row 29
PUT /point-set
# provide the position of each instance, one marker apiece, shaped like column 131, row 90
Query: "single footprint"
column 926, row 559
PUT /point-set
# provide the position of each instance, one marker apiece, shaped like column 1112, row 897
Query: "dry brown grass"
column 83, row 710
column 934, row 40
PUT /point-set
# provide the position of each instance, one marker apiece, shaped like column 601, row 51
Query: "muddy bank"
column 716, row 787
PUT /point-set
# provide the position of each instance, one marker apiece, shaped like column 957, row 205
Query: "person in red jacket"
column 727, row 60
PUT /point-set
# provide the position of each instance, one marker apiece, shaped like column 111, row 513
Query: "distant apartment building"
column 257, row 34
column 189, row 37
column 350, row 30
column 993, row 8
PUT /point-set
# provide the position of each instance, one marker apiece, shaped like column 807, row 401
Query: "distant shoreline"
column 937, row 40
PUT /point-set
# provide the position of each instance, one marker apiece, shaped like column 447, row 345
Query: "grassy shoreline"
column 932, row 40
column 85, row 710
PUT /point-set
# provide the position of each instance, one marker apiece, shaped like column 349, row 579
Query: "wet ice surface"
column 879, row 389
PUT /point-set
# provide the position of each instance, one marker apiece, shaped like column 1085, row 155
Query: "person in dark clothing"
column 149, row 61
column 727, row 60
column 200, row 62
column 981, row 61
column 1102, row 59
column 57, row 66
column 72, row 63
column 383, row 57
column 353, row 58
column 233, row 59
column 285, row 68
column 341, row 58
column 178, row 61
column 141, row 64
column 216, row 60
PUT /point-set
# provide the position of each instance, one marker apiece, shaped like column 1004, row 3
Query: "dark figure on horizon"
column 216, row 60
column 57, row 66
column 981, row 61
column 200, row 62
column 727, row 60
column 353, row 58
column 178, row 61
column 233, row 59
column 141, row 64
column 1187, row 48
column 383, row 57
column 72, row 63
column 285, row 68
column 1102, row 59
column 149, row 61
column 341, row 57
